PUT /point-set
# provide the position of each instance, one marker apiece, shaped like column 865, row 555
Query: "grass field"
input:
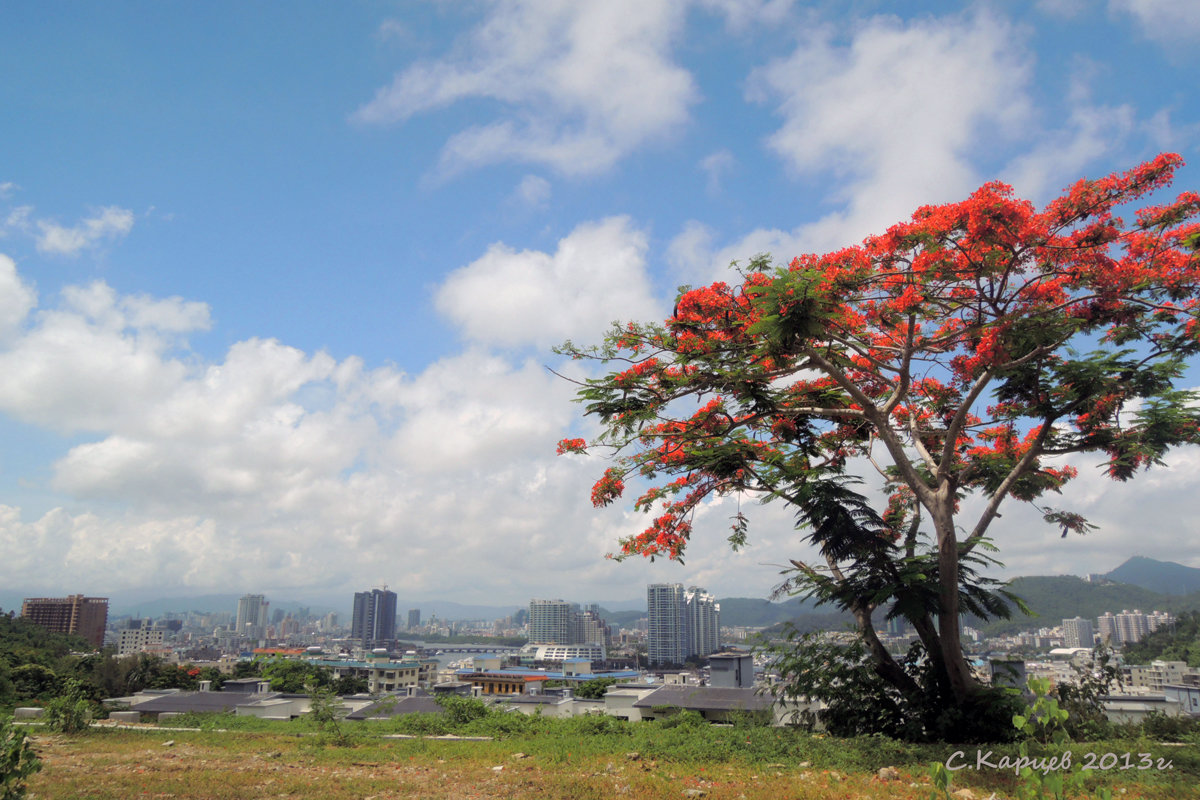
column 639, row 762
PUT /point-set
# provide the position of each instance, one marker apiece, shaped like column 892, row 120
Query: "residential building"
column 703, row 621
column 374, row 620
column 1106, row 626
column 561, row 623
column 681, row 624
column 84, row 616
column 141, row 640
column 414, row 618
column 1077, row 632
column 252, row 616
column 550, row 622
column 1132, row 626
column 666, row 626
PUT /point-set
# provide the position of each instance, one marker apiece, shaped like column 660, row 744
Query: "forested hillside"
column 1055, row 598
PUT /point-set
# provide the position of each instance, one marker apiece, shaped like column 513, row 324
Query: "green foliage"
column 22, row 642
column 1047, row 721
column 325, row 714
column 1161, row 728
column 17, row 761
column 857, row 701
column 294, row 676
column 1178, row 642
column 1082, row 701
column 594, row 689
column 34, row 682
column 350, row 684
column 462, row 710
column 71, row 711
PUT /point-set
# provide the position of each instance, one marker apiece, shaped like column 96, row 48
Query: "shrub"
column 71, row 711
column 17, row 761
column 462, row 710
column 325, row 713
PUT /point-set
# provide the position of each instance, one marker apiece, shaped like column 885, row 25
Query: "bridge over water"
column 470, row 648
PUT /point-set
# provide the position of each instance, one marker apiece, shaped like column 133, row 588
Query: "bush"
column 71, row 711
column 856, row 701
column 1161, row 728
column 462, row 710
column 325, row 713
column 17, row 761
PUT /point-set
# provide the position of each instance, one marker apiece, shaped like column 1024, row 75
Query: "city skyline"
column 278, row 288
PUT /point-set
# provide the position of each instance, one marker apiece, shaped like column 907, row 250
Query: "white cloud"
column 741, row 14
column 896, row 114
column 716, row 166
column 1089, row 132
column 17, row 299
column 533, row 191
column 1171, row 22
column 108, row 224
column 274, row 468
column 509, row 297
column 580, row 84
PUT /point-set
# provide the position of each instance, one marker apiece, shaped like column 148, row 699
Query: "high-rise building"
column 84, row 616
column 588, row 627
column 414, row 618
column 1132, row 626
column 1077, row 632
column 666, row 631
column 704, row 622
column 680, row 624
column 1106, row 626
column 374, row 621
column 550, row 622
column 252, row 616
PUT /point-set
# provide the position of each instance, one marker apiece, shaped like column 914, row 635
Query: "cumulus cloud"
column 108, row 224
column 579, row 84
column 17, row 299
column 1170, row 22
column 79, row 366
column 897, row 112
column 271, row 468
column 509, row 297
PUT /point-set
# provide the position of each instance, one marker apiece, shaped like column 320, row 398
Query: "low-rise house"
column 559, row 703
column 713, row 703
column 1124, row 708
column 411, row 701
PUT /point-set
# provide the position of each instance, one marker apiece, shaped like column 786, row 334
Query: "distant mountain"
column 752, row 612
column 1059, row 597
column 1165, row 577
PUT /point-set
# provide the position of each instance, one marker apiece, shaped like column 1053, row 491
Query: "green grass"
column 549, row 759
column 578, row 753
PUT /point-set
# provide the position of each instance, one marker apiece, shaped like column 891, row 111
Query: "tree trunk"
column 885, row 666
column 962, row 682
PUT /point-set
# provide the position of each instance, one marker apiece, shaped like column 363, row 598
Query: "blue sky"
column 278, row 283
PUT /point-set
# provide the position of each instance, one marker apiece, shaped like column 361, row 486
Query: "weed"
column 17, row 761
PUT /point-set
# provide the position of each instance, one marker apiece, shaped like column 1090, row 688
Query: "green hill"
column 1059, row 597
column 1158, row 576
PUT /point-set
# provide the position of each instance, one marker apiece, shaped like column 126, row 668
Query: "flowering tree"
column 957, row 354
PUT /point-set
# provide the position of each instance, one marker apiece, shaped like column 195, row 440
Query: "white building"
column 681, row 624
column 1077, row 632
column 140, row 640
